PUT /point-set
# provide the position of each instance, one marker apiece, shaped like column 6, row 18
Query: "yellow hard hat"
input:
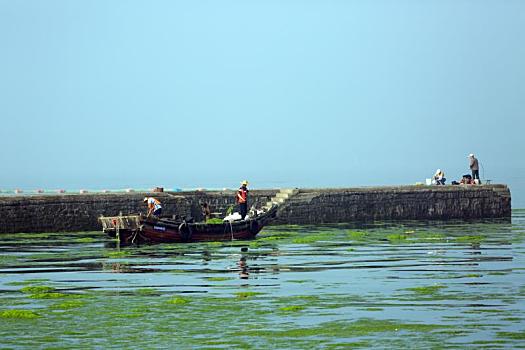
column 245, row 183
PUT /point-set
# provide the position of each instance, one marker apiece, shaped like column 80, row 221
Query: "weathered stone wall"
column 50, row 213
column 311, row 206
column 79, row 212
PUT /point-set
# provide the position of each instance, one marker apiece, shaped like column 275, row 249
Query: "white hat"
column 471, row 155
column 438, row 171
column 145, row 199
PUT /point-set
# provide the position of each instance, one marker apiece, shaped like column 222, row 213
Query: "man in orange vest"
column 242, row 199
column 154, row 206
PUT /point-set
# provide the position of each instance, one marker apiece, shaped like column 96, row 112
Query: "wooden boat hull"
column 155, row 230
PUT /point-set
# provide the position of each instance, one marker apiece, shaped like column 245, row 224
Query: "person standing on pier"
column 242, row 199
column 154, row 206
column 474, row 167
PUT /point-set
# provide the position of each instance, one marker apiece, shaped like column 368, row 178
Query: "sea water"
column 373, row 285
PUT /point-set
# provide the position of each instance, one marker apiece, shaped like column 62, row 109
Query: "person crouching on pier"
column 154, row 206
column 439, row 177
column 242, row 199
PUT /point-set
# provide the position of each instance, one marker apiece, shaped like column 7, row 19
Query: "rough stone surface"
column 313, row 206
column 79, row 212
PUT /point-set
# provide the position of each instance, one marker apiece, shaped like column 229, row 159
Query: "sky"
column 187, row 94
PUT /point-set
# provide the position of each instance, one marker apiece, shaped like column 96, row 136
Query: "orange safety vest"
column 242, row 195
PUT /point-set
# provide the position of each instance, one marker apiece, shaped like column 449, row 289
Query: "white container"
column 428, row 182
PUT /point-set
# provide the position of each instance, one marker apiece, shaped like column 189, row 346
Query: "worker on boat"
column 206, row 212
column 154, row 206
column 242, row 199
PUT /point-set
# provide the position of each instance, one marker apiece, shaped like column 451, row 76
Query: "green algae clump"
column 19, row 314
column 356, row 235
column 179, row 301
column 292, row 308
column 427, row 290
column 312, row 238
column 146, row 291
column 512, row 335
column 53, row 295
column 361, row 327
column 73, row 304
column 118, row 254
column 397, row 237
column 217, row 279
column 37, row 289
column 85, row 240
column 215, row 221
column 469, row 239
column 246, row 295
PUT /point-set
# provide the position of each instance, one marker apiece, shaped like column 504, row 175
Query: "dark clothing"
column 157, row 212
column 243, row 207
column 475, row 174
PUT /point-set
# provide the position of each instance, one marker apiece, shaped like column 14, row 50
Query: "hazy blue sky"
column 116, row 94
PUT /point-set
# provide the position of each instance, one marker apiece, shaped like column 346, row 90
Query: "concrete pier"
column 79, row 212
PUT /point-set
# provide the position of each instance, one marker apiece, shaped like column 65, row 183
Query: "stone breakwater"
column 79, row 212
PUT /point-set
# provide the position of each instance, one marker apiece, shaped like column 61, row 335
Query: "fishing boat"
column 129, row 229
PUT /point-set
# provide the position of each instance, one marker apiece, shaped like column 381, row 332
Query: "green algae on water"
column 427, row 290
column 356, row 235
column 37, row 289
column 118, row 254
column 312, row 238
column 361, row 327
column 512, row 335
column 469, row 239
column 71, row 304
column 246, row 295
column 218, row 279
column 179, row 301
column 85, row 240
column 20, row 314
column 53, row 295
column 146, row 291
column 396, row 237
column 292, row 308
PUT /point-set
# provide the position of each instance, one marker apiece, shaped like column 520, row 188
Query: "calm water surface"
column 380, row 285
